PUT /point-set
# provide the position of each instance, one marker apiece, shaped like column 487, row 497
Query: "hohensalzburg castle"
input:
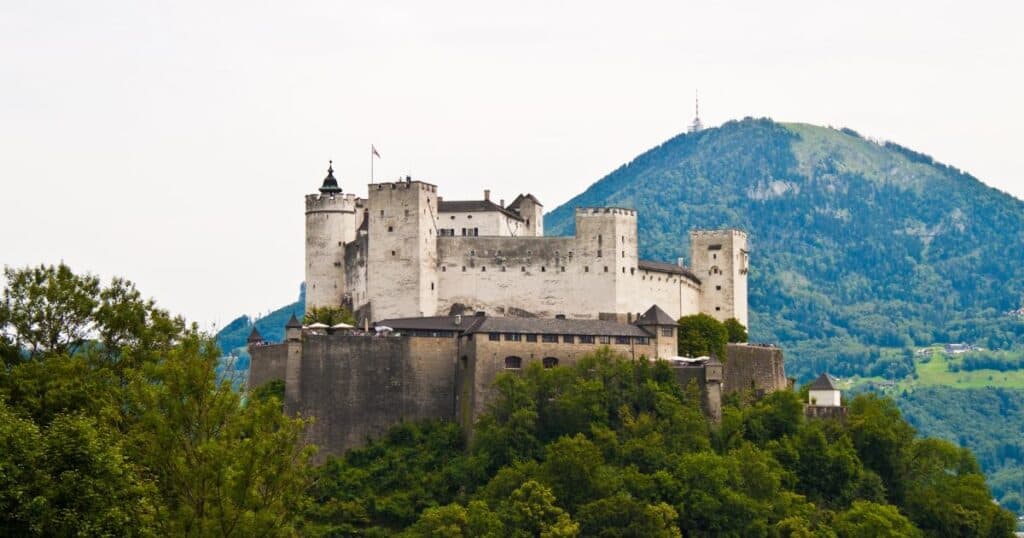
column 403, row 252
column 460, row 291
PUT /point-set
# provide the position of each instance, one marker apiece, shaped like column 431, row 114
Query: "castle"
column 403, row 251
column 460, row 291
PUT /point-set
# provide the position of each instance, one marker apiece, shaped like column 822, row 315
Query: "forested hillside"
column 855, row 245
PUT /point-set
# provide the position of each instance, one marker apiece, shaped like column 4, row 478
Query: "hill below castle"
column 857, row 246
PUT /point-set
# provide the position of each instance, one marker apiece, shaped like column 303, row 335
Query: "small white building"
column 823, row 393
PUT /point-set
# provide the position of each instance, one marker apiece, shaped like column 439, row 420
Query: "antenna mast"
column 696, row 125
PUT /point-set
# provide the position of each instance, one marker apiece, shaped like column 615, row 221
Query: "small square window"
column 494, row 337
column 392, row 253
column 586, row 268
column 606, row 268
column 391, row 228
column 531, row 338
column 719, row 288
column 549, row 338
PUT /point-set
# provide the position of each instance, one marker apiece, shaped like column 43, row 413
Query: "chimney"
column 487, row 194
column 458, row 320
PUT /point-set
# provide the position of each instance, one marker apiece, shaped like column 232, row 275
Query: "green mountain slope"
column 856, row 245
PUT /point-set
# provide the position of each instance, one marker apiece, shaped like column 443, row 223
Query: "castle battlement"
column 718, row 232
column 333, row 202
column 605, row 211
column 403, row 184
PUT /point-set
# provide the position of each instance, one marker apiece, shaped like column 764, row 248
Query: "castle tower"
column 402, row 250
column 720, row 260
column 609, row 238
column 330, row 223
column 532, row 212
column 663, row 328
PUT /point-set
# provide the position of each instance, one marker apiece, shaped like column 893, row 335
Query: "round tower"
column 330, row 224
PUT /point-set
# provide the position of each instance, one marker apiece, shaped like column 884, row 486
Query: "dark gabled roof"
column 293, row 323
column 330, row 184
column 670, row 268
column 254, row 336
column 468, row 206
column 593, row 327
column 655, row 316
column 432, row 323
column 519, row 200
column 824, row 382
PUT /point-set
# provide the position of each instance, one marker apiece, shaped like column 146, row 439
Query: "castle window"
column 497, row 253
column 522, row 269
column 469, row 216
column 563, row 268
column 382, row 212
column 529, row 253
column 339, row 243
column 531, row 338
column 623, row 270
column 623, row 253
column 550, row 362
column 714, row 247
column 586, row 268
column 549, row 338
column 632, row 270
column 483, row 268
column 641, row 340
column 714, row 256
column 719, row 288
column 463, row 268
column 718, row 309
column 606, row 268
column 604, row 339
column 391, row 228
column 431, row 285
column 598, row 253
column 494, row 337
column 406, row 213
column 622, row 340
column 569, row 339
column 464, row 362
column 667, row 331
column 623, row 239
column 392, row 253
column 444, row 268
column 542, row 269
column 502, row 268
column 476, row 232
column 586, row 339
column 527, row 223
column 513, row 363
column 472, row 253
column 513, row 337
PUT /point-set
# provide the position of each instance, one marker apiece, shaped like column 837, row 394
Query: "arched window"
column 513, row 363
column 550, row 362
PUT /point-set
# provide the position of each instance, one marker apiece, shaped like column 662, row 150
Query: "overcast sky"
column 171, row 142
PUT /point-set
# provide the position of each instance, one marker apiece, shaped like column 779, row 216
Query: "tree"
column 328, row 315
column 870, row 520
column 702, row 335
column 737, row 332
column 621, row 516
column 531, row 511
column 220, row 467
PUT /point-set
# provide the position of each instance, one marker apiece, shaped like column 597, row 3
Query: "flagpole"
column 371, row 163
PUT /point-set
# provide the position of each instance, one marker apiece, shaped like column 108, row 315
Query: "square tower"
column 721, row 261
column 402, row 249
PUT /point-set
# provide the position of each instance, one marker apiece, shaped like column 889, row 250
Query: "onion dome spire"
column 330, row 184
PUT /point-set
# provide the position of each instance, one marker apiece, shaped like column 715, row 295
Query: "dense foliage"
column 966, row 417
column 112, row 422
column 852, row 242
column 613, row 447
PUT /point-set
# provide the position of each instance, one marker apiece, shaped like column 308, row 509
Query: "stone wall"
column 486, row 359
column 267, row 364
column 759, row 368
column 358, row 387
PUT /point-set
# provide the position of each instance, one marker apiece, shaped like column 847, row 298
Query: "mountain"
column 856, row 245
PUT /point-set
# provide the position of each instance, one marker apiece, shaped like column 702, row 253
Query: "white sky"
column 171, row 142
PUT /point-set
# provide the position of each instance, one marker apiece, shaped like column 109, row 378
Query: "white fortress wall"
column 542, row 276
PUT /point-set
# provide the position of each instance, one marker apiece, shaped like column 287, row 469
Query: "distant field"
column 934, row 372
